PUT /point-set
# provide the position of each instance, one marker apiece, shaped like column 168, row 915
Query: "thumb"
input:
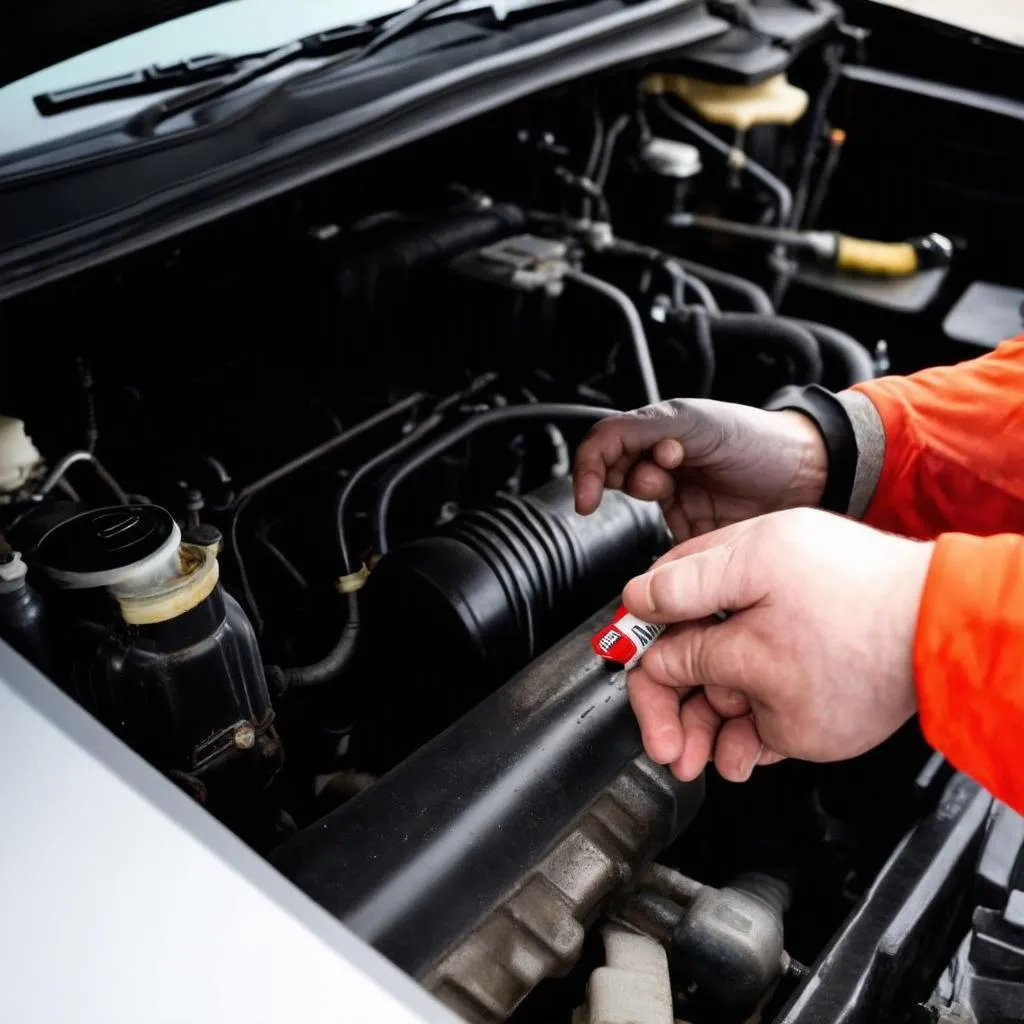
column 715, row 657
column 703, row 542
column 695, row 586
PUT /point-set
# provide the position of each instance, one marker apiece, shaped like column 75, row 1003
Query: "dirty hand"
column 815, row 661
column 707, row 463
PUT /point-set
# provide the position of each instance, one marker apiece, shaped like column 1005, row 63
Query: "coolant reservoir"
column 176, row 669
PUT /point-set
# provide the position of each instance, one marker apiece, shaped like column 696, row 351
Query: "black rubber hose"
column 328, row 447
column 381, row 459
column 593, row 158
column 88, row 393
column 754, row 297
column 334, row 663
column 635, row 326
column 348, row 488
column 673, row 267
column 815, row 127
column 695, row 337
column 439, row 445
column 775, row 334
column 781, row 193
column 848, row 357
column 328, row 668
column 705, row 297
column 604, row 165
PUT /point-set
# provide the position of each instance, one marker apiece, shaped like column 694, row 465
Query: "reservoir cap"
column 125, row 547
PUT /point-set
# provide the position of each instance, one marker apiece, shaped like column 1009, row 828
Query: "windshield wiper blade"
column 359, row 42
column 155, row 78
column 193, row 71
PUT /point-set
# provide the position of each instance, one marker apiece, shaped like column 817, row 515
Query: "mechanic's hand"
column 707, row 463
column 815, row 662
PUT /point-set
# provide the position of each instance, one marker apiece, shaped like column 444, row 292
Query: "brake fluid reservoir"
column 174, row 667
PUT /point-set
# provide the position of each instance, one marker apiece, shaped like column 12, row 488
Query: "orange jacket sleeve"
column 954, row 447
column 969, row 660
column 954, row 461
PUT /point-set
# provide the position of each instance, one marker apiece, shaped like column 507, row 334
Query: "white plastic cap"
column 12, row 572
column 671, row 158
column 18, row 455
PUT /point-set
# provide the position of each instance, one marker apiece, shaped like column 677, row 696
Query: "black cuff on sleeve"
column 833, row 423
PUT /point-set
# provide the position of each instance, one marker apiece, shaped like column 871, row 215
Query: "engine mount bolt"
column 245, row 737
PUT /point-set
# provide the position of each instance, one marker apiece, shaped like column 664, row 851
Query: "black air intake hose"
column 499, row 584
column 459, row 612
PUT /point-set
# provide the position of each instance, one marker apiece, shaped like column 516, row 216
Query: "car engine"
column 285, row 503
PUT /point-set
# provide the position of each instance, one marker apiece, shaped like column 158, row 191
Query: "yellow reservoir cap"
column 773, row 101
column 199, row 574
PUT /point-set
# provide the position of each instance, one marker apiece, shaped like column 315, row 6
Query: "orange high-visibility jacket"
column 953, row 469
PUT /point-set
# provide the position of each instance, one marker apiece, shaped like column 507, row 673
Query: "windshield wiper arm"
column 372, row 40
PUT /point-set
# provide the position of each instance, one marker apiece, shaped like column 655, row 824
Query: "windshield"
column 238, row 26
column 234, row 27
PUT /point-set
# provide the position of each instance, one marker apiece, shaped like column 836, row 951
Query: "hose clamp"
column 353, row 581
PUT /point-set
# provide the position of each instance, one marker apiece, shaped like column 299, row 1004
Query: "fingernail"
column 743, row 769
column 670, row 745
column 649, row 591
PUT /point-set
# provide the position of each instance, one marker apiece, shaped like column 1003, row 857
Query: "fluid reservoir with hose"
column 465, row 609
column 164, row 655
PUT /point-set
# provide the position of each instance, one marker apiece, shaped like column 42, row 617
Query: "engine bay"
column 285, row 504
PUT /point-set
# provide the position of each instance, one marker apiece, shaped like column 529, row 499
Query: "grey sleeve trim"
column 870, row 434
